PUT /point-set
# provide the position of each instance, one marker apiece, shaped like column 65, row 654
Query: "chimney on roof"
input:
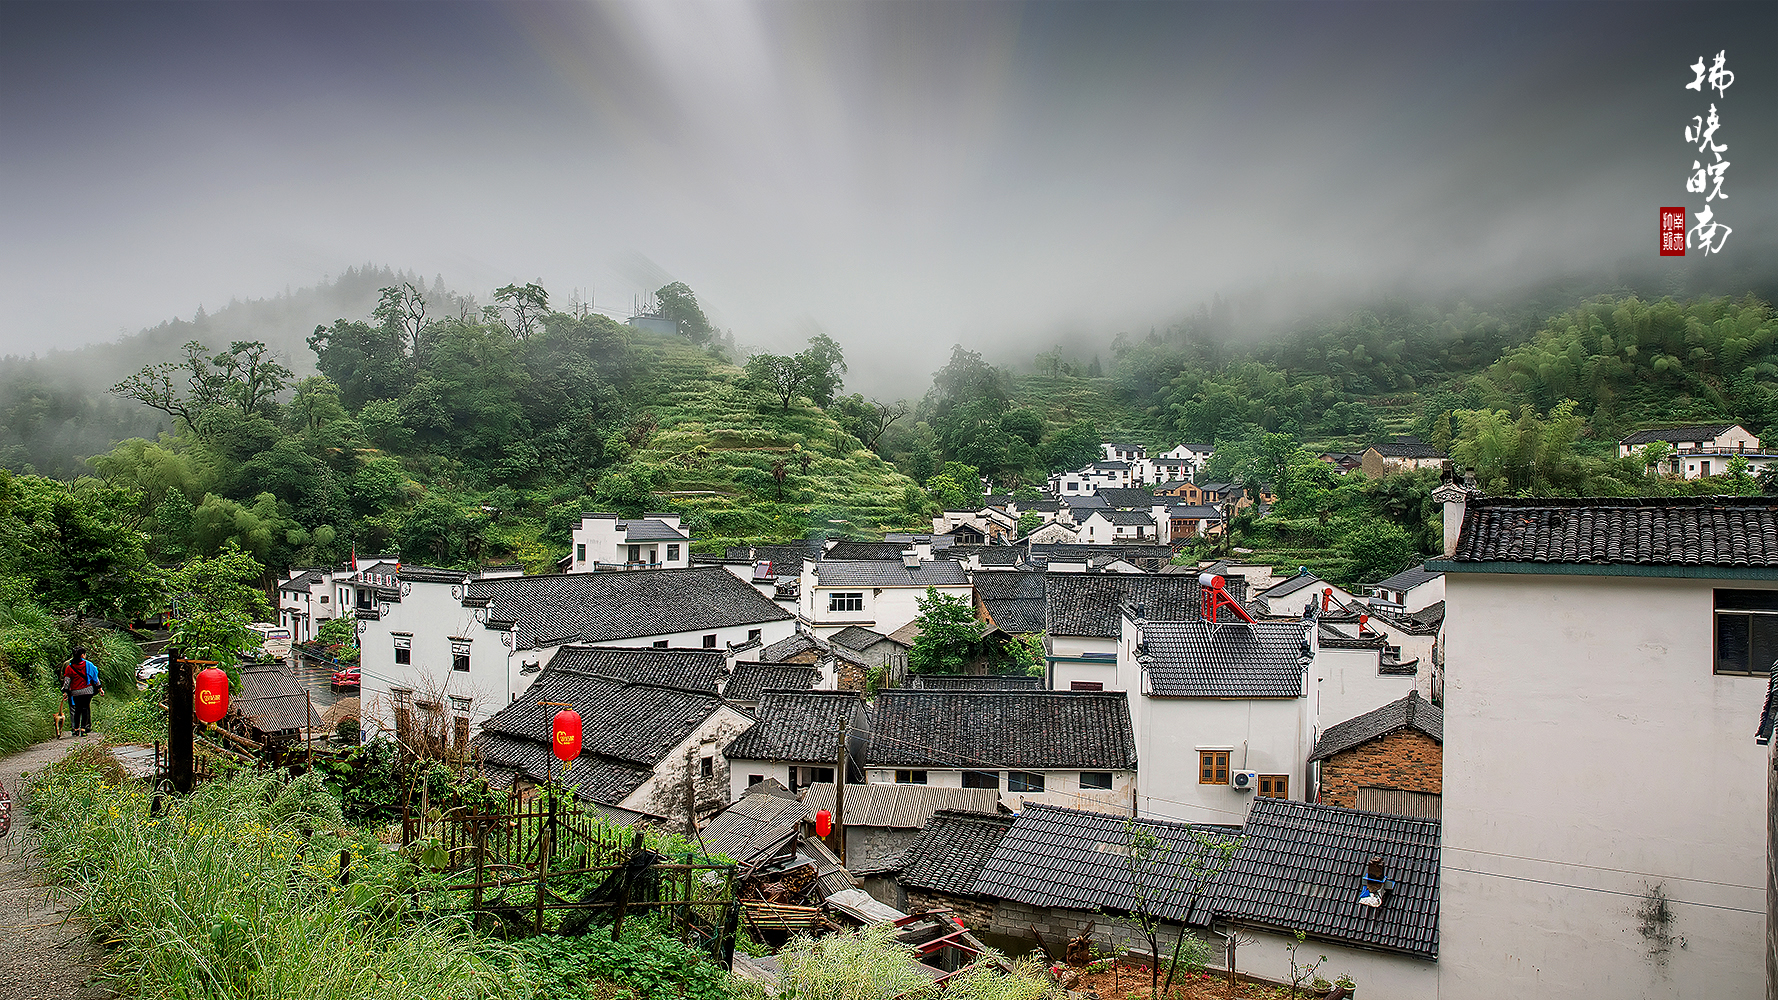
column 1455, row 497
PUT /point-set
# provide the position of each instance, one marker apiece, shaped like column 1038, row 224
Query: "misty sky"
column 903, row 176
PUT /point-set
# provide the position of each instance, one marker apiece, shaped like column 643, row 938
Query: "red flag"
column 354, row 557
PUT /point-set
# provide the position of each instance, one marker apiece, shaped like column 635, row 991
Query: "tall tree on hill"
column 676, row 302
column 822, row 365
column 527, row 303
column 246, row 379
column 782, row 377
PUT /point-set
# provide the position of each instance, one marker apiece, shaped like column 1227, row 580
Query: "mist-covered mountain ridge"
column 461, row 436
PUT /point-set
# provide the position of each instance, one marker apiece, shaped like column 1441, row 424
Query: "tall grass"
column 27, row 709
column 223, row 896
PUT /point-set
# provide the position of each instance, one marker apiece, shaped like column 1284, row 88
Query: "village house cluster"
column 1526, row 767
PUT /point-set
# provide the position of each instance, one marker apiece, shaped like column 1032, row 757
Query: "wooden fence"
column 521, row 862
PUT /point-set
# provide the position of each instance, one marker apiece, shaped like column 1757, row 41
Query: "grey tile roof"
column 650, row 530
column 1299, row 867
column 884, row 573
column 1195, row 659
column 949, row 854
column 1066, row 858
column 594, row 779
column 301, row 581
column 627, row 727
column 1015, row 601
column 784, row 649
column 1087, row 502
column 987, row 555
column 786, row 558
column 865, row 550
column 1407, row 447
column 273, row 699
column 1425, row 621
column 755, row 828
column 1133, row 517
column 1091, row 605
column 1409, row 578
column 1412, row 712
column 1291, row 585
column 1127, row 498
column 1186, row 510
column 1148, row 556
column 801, row 726
column 857, row 637
column 967, row 682
column 750, row 680
column 611, row 607
column 1674, row 435
column 903, row 807
column 1018, row 729
column 1663, row 531
column 1111, row 466
column 1329, row 637
column 691, row 669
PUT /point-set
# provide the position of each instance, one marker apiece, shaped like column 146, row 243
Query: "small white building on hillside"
column 879, row 594
column 607, row 542
column 1700, row 451
column 1605, row 834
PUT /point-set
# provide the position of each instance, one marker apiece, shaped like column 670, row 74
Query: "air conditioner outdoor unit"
column 1244, row 781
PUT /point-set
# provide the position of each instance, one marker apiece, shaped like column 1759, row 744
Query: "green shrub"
column 644, row 963
column 218, row 897
column 26, row 711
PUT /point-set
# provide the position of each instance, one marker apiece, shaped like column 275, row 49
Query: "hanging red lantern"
column 210, row 696
column 567, row 727
column 823, row 823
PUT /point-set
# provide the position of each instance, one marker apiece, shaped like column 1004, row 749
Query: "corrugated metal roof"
column 902, row 807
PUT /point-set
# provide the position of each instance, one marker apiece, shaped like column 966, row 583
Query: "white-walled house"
column 482, row 641
column 1211, row 702
column 1063, row 748
column 1083, row 621
column 1700, row 451
column 1103, row 527
column 1355, row 672
column 796, row 740
column 1604, row 834
column 1292, row 597
column 307, row 598
column 647, row 744
column 878, row 594
column 607, row 542
column 1409, row 591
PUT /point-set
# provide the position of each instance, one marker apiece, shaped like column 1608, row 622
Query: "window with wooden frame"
column 910, row 777
column 1746, row 631
column 1213, row 767
column 1274, row 786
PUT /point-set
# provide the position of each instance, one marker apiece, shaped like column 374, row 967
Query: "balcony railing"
column 368, row 614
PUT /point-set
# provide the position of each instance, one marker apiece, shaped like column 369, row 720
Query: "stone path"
column 45, row 951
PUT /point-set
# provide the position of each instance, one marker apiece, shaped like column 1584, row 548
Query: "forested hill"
column 55, row 407
column 481, row 439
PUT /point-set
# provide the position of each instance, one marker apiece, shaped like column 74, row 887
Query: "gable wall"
column 1408, row 760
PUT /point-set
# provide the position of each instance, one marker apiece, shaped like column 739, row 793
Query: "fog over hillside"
column 902, row 177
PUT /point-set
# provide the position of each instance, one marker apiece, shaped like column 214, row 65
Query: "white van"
column 274, row 640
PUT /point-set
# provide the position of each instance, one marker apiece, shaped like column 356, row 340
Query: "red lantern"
column 823, row 823
column 210, row 697
column 567, row 728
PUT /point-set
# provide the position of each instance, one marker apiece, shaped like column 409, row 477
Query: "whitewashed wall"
column 1590, row 757
column 1347, row 684
column 1377, row 975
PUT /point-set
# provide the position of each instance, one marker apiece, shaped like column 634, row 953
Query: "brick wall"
column 976, row 914
column 1409, row 760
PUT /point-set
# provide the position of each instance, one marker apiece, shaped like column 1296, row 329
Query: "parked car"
column 274, row 640
column 151, row 668
column 345, row 680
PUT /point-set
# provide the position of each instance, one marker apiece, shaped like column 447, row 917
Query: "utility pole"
column 839, row 800
column 179, row 720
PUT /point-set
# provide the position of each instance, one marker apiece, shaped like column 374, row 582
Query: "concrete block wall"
column 1409, row 760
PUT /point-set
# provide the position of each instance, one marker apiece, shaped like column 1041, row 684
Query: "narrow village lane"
column 45, row 950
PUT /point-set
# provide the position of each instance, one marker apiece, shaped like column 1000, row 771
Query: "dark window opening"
column 910, row 777
column 1024, row 781
column 754, row 779
column 404, row 655
column 660, row 644
column 707, row 767
column 752, row 634
column 672, row 553
column 1098, row 780
column 1746, row 631
column 981, row 779
column 460, row 661
column 709, row 642
column 822, row 775
column 1086, row 685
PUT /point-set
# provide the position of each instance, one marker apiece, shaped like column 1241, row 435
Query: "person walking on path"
column 80, row 682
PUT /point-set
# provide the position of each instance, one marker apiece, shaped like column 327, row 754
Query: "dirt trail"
column 45, row 951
